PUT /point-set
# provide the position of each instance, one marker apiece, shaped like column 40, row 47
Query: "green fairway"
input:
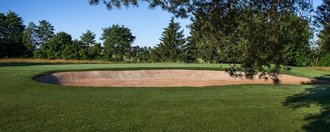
column 27, row 105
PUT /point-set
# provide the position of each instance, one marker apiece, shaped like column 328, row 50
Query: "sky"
column 77, row 16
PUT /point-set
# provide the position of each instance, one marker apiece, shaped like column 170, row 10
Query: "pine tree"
column 172, row 41
column 11, row 31
column 88, row 38
column 45, row 31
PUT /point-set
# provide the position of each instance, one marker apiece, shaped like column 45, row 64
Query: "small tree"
column 172, row 40
column 88, row 41
column 88, row 38
column 117, row 42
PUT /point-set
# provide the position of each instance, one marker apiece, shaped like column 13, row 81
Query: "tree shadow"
column 322, row 80
column 48, row 78
column 316, row 95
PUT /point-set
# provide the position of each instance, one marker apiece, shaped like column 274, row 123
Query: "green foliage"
column 325, row 60
column 11, row 32
column 87, row 50
column 139, row 54
column 295, row 33
column 30, row 38
column 44, row 31
column 88, row 38
column 322, row 17
column 117, row 42
column 58, row 47
column 244, row 31
column 324, row 40
column 170, row 48
column 190, row 51
column 96, row 52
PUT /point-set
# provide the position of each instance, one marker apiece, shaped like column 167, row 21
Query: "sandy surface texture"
column 156, row 78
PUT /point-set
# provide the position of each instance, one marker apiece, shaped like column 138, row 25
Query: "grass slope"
column 26, row 105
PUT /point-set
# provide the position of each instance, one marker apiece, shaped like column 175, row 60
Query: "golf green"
column 28, row 105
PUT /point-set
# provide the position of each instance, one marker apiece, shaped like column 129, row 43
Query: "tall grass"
column 51, row 61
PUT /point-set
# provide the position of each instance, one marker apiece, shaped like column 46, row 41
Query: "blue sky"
column 76, row 16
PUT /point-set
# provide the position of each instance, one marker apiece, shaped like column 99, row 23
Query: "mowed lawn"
column 27, row 105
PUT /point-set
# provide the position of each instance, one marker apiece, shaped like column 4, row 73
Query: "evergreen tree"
column 190, row 51
column 88, row 42
column 11, row 32
column 172, row 41
column 323, row 21
column 88, row 38
column 45, row 31
column 30, row 38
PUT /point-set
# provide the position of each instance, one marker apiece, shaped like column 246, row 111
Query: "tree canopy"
column 11, row 32
column 170, row 48
column 117, row 42
column 250, row 32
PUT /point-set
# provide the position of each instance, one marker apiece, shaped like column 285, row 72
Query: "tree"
column 190, row 51
column 58, row 47
column 139, row 54
column 323, row 13
column 218, row 23
column 71, row 50
column 117, row 42
column 30, row 38
column 322, row 19
column 11, row 31
column 296, row 33
column 88, row 42
column 45, row 31
column 96, row 52
column 172, row 40
column 88, row 38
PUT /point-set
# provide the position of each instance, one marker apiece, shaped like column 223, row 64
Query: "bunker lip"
column 157, row 78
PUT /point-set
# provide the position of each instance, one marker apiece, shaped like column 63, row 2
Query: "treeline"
column 40, row 41
column 232, row 32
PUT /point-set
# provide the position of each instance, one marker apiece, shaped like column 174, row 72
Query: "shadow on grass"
column 316, row 95
column 322, row 80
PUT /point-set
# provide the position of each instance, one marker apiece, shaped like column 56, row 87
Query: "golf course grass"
column 27, row 105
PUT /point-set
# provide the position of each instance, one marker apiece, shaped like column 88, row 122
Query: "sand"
column 156, row 78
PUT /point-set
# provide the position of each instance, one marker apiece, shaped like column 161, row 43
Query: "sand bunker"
column 156, row 78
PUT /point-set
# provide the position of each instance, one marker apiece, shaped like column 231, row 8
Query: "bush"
column 325, row 60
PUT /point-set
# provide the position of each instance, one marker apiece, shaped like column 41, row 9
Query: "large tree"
column 11, row 31
column 218, row 21
column 117, row 42
column 45, row 31
column 30, row 38
column 323, row 22
column 171, row 45
column 323, row 13
column 58, row 47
